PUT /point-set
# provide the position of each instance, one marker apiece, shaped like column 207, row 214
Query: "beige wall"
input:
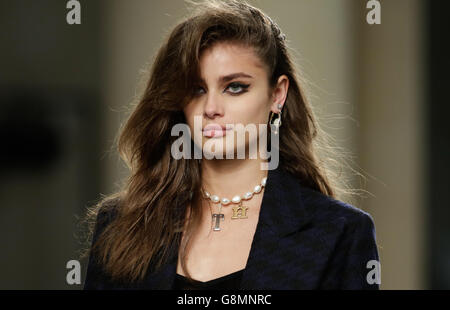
column 390, row 142
column 366, row 76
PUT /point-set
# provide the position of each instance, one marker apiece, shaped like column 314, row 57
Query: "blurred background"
column 378, row 89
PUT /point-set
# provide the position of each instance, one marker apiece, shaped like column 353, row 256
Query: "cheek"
column 189, row 114
column 253, row 110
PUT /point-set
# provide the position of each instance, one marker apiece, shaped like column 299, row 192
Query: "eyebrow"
column 229, row 77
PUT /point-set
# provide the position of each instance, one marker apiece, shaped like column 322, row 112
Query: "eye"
column 237, row 88
column 199, row 90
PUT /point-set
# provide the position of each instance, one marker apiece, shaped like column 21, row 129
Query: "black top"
column 229, row 281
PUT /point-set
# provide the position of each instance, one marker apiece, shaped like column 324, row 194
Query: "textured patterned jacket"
column 303, row 240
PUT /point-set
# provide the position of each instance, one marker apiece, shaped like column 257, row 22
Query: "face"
column 234, row 90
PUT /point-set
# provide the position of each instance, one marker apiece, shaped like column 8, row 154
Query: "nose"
column 213, row 106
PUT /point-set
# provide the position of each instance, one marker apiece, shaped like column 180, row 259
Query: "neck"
column 227, row 178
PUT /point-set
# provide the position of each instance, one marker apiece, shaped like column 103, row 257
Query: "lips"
column 214, row 130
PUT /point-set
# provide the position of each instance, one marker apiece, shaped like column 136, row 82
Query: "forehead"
column 227, row 57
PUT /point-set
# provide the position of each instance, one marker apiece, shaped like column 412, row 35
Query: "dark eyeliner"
column 237, row 84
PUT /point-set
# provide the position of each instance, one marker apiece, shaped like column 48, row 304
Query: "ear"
column 279, row 93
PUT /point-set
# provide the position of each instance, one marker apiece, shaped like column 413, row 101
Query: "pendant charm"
column 239, row 212
column 217, row 217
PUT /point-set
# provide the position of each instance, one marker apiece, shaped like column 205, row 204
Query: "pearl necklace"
column 236, row 199
column 239, row 212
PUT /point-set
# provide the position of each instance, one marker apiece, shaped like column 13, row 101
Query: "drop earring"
column 277, row 121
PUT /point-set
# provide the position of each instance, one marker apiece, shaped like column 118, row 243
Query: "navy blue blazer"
column 303, row 240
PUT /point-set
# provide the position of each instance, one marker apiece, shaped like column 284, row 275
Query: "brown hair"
column 152, row 204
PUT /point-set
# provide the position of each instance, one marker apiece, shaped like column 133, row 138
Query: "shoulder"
column 328, row 209
column 108, row 208
column 106, row 213
column 349, row 233
column 95, row 275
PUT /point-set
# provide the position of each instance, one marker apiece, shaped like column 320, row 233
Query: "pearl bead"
column 225, row 201
column 248, row 195
column 215, row 198
column 257, row 188
column 236, row 199
column 207, row 194
column 263, row 182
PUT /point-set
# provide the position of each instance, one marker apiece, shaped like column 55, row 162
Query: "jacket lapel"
column 282, row 212
column 290, row 249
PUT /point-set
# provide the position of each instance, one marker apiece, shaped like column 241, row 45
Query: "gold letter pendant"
column 239, row 212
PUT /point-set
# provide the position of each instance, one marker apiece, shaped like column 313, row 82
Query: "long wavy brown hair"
column 151, row 206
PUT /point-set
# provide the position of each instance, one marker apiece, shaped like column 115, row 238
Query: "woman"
column 218, row 222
